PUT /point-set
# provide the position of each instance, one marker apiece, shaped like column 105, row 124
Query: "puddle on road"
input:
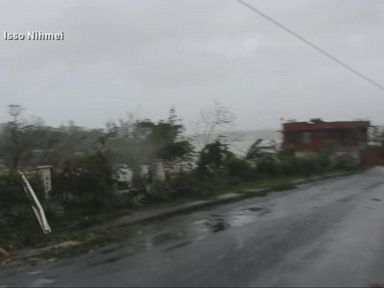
column 166, row 237
column 144, row 244
column 196, row 231
column 254, row 209
column 217, row 223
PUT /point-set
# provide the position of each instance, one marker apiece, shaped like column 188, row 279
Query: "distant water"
column 240, row 141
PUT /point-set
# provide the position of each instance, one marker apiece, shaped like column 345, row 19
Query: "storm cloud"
column 146, row 56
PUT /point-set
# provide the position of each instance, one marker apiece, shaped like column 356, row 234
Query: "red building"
column 303, row 138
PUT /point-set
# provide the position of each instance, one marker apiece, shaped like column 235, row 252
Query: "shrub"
column 217, row 167
column 303, row 166
column 346, row 162
column 289, row 167
column 18, row 224
column 85, row 182
column 240, row 169
column 272, row 168
column 158, row 190
column 185, row 183
column 283, row 185
column 11, row 191
column 212, row 159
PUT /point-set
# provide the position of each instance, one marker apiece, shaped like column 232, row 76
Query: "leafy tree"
column 212, row 159
column 141, row 142
column 258, row 154
column 15, row 140
column 86, row 181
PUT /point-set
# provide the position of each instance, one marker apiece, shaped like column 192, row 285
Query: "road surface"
column 327, row 233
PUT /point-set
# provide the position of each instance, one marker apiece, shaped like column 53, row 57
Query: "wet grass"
column 86, row 228
column 89, row 246
column 283, row 185
column 260, row 187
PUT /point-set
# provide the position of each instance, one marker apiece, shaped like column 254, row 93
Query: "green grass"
column 275, row 183
column 78, row 224
column 283, row 185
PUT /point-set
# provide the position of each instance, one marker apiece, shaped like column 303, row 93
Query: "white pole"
column 37, row 208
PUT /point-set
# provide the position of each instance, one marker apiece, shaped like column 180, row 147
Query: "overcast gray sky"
column 145, row 56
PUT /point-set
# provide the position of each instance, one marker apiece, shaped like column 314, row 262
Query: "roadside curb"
column 161, row 213
column 224, row 198
column 196, row 205
column 324, row 177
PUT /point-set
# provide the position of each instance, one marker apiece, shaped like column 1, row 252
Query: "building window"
column 306, row 137
column 292, row 138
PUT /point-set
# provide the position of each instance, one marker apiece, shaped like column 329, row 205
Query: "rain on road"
column 327, row 233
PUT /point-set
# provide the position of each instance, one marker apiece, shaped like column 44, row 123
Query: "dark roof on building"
column 308, row 126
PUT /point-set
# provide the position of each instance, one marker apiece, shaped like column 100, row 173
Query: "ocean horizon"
column 239, row 141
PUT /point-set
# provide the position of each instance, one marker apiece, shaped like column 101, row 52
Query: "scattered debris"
column 7, row 257
column 63, row 245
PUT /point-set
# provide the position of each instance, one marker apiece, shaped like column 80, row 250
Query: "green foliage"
column 185, row 183
column 175, row 150
column 240, row 169
column 289, row 165
column 18, row 224
column 301, row 166
column 272, row 168
column 140, row 142
column 217, row 166
column 11, row 191
column 283, row 185
column 261, row 154
column 86, row 182
column 159, row 190
column 212, row 159
column 83, row 160
column 346, row 162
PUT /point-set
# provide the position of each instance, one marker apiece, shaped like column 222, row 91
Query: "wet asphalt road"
column 329, row 233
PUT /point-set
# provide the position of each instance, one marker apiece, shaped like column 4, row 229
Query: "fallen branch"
column 63, row 245
column 7, row 257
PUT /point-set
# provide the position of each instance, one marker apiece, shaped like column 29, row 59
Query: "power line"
column 309, row 43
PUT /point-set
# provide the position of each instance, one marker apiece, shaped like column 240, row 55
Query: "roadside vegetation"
column 84, row 164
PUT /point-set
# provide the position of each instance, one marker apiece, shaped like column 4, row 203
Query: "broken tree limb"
column 7, row 257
